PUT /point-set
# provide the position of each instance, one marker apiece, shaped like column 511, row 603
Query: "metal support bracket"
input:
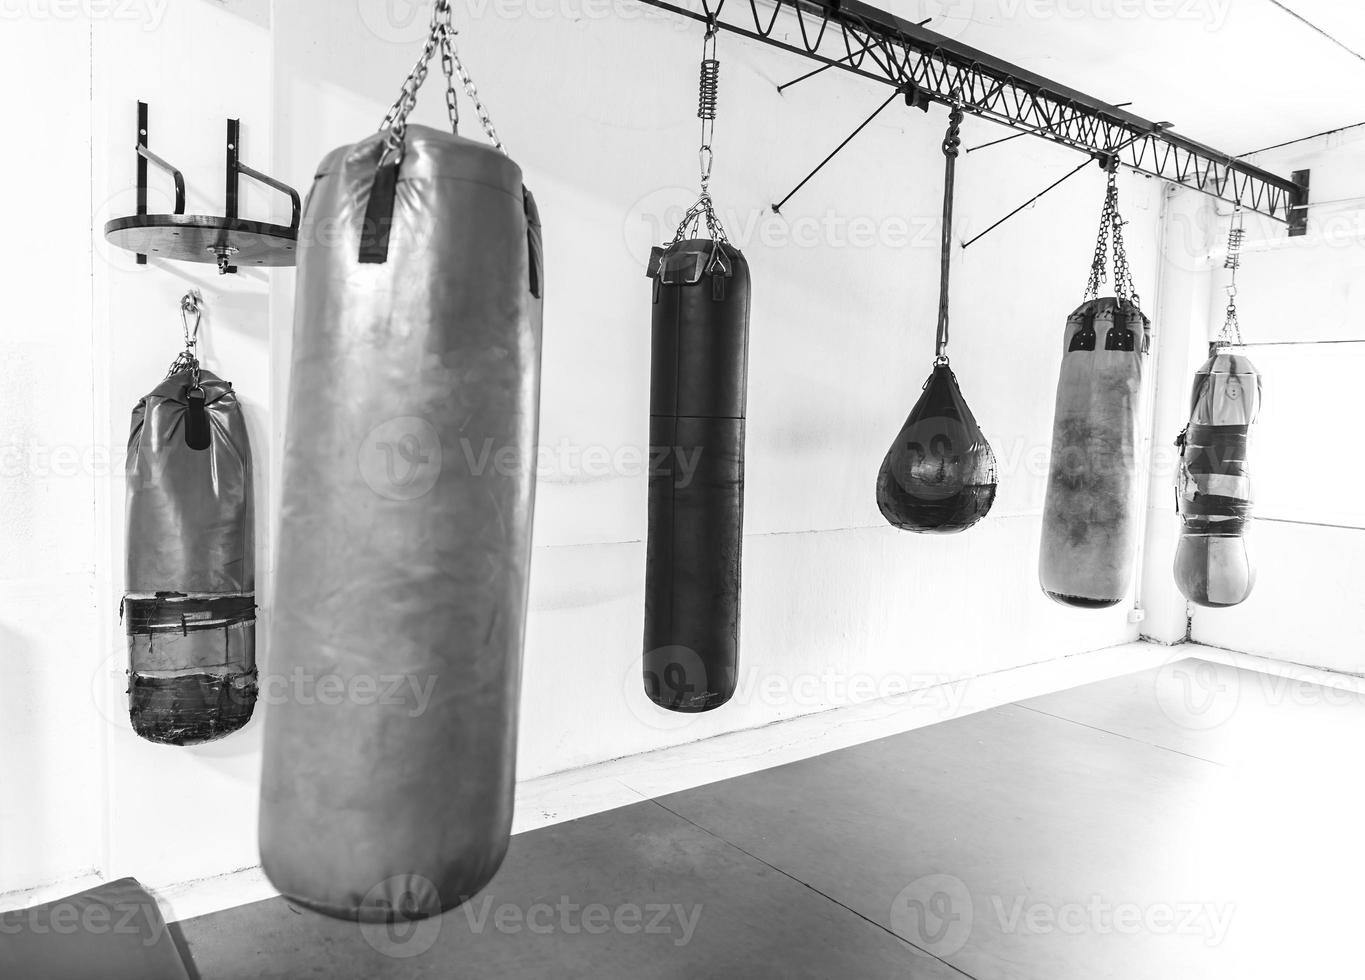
column 205, row 238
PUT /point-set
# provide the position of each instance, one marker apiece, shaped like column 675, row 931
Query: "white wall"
column 599, row 113
column 50, row 739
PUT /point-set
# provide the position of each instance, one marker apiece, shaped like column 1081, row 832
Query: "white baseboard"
column 578, row 793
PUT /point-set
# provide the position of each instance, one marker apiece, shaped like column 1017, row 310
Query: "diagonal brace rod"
column 777, row 208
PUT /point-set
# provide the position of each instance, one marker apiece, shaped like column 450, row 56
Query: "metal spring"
column 1235, row 239
column 710, row 89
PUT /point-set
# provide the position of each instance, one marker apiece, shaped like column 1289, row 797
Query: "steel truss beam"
column 852, row 36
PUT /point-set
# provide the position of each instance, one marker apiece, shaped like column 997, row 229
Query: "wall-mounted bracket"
column 226, row 240
column 1298, row 213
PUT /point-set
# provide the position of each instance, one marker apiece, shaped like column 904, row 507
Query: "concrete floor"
column 1195, row 821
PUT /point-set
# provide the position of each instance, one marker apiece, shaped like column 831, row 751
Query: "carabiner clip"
column 190, row 303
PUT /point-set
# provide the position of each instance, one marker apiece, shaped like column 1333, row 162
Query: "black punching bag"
column 939, row 475
column 189, row 608
column 699, row 365
column 405, row 529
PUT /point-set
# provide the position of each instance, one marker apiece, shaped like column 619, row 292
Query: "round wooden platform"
column 203, row 238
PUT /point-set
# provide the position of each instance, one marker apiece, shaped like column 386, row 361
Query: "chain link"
column 441, row 35
column 1111, row 226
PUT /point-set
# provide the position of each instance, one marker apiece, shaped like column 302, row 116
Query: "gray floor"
column 1196, row 821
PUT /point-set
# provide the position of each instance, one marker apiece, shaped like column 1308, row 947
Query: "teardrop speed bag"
column 189, row 609
column 405, row 529
column 1090, row 514
column 939, row 476
column 698, row 387
column 1212, row 567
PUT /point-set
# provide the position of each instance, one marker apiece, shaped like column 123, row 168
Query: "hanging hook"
column 191, row 303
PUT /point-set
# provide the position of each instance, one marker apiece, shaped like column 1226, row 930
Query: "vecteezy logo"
column 933, row 914
column 666, row 675
column 1196, row 694
column 396, row 21
column 414, row 924
column 401, row 459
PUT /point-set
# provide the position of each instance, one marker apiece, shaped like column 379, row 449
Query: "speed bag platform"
column 1213, row 488
column 1090, row 515
column 698, row 388
column 189, row 609
column 405, row 530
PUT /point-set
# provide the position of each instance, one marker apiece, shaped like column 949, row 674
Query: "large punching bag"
column 699, row 355
column 189, row 607
column 405, row 530
column 939, row 476
column 699, row 360
column 1213, row 487
column 1090, row 516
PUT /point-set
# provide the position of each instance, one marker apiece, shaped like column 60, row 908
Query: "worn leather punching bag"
column 189, row 609
column 699, row 361
column 405, row 530
column 1212, row 567
column 1090, row 514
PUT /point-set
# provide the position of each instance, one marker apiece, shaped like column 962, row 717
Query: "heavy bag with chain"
column 1212, row 567
column 1090, row 517
column 405, row 531
column 698, row 385
column 1213, row 487
column 939, row 476
column 189, row 607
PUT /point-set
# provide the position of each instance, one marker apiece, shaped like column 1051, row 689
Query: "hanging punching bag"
column 405, row 530
column 1090, row 523
column 1212, row 567
column 189, row 610
column 699, row 351
column 939, row 476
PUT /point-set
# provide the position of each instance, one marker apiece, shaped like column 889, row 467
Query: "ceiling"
column 1238, row 75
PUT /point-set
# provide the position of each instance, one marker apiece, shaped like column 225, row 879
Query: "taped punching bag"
column 939, row 476
column 1213, row 487
column 189, row 609
column 1090, row 523
column 1212, row 566
column 405, row 531
column 698, row 386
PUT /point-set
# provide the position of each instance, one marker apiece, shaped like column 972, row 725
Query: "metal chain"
column 442, row 35
column 451, row 57
column 1111, row 225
